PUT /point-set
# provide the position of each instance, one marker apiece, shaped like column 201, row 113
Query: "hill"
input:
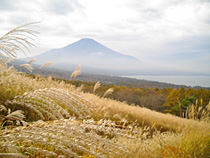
column 63, row 121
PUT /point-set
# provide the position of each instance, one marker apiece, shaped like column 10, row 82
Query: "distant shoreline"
column 187, row 80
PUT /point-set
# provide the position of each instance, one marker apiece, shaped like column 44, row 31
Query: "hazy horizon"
column 203, row 81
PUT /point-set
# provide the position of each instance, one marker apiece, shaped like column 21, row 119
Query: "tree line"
column 167, row 100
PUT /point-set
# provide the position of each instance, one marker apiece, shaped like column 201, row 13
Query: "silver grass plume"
column 69, row 138
column 46, row 64
column 31, row 61
column 18, row 39
column 2, row 108
column 52, row 104
column 76, row 72
column 96, row 86
column 16, row 115
column 27, row 66
column 109, row 91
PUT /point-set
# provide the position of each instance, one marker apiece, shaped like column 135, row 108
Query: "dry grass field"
column 40, row 117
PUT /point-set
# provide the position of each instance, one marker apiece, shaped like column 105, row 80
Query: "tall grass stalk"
column 46, row 64
column 96, row 86
column 17, row 40
column 76, row 72
column 108, row 92
column 28, row 67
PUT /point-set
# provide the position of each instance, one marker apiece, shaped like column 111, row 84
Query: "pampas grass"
column 108, row 92
column 76, row 72
column 70, row 133
column 31, row 61
column 16, row 115
column 198, row 112
column 52, row 104
column 27, row 66
column 72, row 123
column 2, row 108
column 103, row 138
column 96, row 86
column 46, row 64
column 17, row 40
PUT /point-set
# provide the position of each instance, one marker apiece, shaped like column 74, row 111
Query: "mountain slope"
column 89, row 54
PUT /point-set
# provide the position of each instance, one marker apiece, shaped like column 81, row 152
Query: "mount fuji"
column 91, row 55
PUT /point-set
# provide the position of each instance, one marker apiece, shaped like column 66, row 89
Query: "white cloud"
column 150, row 30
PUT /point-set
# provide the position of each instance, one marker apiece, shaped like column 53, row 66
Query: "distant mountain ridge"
column 89, row 54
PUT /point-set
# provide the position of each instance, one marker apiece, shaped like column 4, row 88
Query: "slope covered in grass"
column 78, row 124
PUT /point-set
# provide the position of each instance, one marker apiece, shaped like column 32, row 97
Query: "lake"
column 203, row 81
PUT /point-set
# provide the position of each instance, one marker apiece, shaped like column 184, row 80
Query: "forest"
column 166, row 100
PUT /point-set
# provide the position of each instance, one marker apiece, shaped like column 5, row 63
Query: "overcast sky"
column 170, row 33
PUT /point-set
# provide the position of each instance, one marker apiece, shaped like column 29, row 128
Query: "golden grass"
column 137, row 131
column 108, row 108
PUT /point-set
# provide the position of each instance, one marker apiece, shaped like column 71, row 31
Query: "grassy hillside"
column 42, row 117
column 140, row 93
column 83, row 124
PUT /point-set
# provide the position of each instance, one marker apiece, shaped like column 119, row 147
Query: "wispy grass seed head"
column 18, row 39
column 96, row 86
column 46, row 64
column 31, row 61
column 76, row 72
column 28, row 67
column 108, row 92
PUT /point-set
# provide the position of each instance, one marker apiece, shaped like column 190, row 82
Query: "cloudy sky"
column 169, row 33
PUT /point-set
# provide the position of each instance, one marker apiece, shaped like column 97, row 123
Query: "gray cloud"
column 62, row 6
column 152, row 13
column 10, row 5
